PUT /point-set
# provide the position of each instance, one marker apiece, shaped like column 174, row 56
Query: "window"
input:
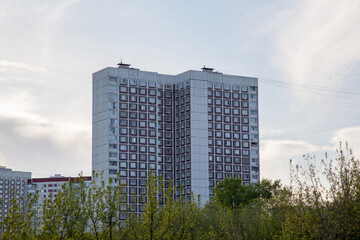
column 133, row 106
column 123, row 98
column 133, row 131
column 245, row 136
column 132, row 115
column 133, row 90
column 132, row 156
column 152, row 108
column 123, row 131
column 142, row 99
column 142, row 108
column 133, row 98
column 152, row 85
column 142, row 84
column 142, row 174
column 132, row 182
column 152, row 100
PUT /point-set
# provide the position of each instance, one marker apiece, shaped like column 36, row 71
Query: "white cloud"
column 318, row 39
column 20, row 66
column 276, row 154
column 350, row 135
column 270, row 132
column 44, row 147
column 29, row 139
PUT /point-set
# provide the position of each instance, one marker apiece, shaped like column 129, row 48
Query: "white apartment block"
column 48, row 188
column 13, row 185
column 195, row 128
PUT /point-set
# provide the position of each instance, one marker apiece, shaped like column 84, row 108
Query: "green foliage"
column 21, row 221
column 65, row 216
column 232, row 193
column 323, row 202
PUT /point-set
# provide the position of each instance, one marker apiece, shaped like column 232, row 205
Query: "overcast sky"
column 305, row 53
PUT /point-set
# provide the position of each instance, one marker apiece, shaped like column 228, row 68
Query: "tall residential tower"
column 195, row 128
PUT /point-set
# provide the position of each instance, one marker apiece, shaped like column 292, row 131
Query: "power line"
column 318, row 129
column 311, row 87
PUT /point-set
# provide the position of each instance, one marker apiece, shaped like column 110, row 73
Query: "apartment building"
column 48, row 188
column 193, row 129
column 13, row 185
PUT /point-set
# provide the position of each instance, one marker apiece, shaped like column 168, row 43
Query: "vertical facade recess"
column 192, row 129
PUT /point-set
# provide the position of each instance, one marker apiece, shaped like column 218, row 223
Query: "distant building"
column 49, row 187
column 13, row 185
column 194, row 128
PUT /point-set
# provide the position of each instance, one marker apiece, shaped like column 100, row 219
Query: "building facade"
column 193, row 129
column 48, row 188
column 13, row 185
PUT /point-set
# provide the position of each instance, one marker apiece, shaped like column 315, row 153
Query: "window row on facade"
column 228, row 127
column 133, row 100
column 228, row 87
column 229, row 95
column 228, row 103
column 228, row 168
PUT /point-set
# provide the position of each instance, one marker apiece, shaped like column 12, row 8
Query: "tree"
column 65, row 216
column 104, row 206
column 232, row 193
column 21, row 221
column 326, row 199
column 245, row 212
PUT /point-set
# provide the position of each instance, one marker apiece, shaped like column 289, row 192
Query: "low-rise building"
column 50, row 187
column 13, row 185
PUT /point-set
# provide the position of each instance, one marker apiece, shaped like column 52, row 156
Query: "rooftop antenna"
column 207, row 69
column 123, row 65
